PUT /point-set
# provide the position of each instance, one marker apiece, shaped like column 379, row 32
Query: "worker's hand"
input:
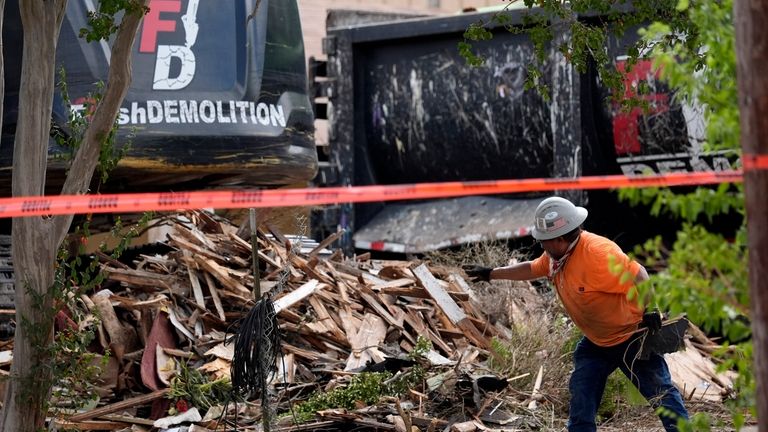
column 478, row 273
column 652, row 321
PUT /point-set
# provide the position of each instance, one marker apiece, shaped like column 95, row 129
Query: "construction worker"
column 589, row 273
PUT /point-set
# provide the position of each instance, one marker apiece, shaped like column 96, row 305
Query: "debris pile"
column 165, row 320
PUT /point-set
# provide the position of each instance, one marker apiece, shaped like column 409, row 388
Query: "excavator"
column 218, row 99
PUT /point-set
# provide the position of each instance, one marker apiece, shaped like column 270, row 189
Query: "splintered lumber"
column 366, row 341
column 449, row 307
column 349, row 322
column 324, row 318
column 249, row 250
column 119, row 406
column 402, row 282
column 416, row 292
column 370, row 298
column 697, row 375
column 221, row 274
column 215, row 296
column 327, row 241
column 101, row 425
column 194, row 234
column 335, row 314
column 415, row 320
column 532, row 405
column 189, row 248
column 122, row 337
column 297, row 295
column 139, row 278
column 197, row 290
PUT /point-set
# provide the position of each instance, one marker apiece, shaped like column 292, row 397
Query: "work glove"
column 478, row 273
column 652, row 321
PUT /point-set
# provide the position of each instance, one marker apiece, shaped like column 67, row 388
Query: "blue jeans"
column 593, row 364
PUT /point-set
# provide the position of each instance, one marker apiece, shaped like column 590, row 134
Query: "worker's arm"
column 641, row 276
column 651, row 317
column 519, row 271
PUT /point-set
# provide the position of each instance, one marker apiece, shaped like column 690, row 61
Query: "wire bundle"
column 257, row 347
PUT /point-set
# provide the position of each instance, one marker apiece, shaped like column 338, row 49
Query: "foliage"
column 702, row 69
column 102, row 21
column 587, row 38
column 72, row 366
column 705, row 273
column 692, row 43
column 421, row 349
column 619, row 391
column 367, row 387
column 193, row 386
column 704, row 278
column 549, row 344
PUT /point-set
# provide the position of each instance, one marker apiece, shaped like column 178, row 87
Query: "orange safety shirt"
column 590, row 286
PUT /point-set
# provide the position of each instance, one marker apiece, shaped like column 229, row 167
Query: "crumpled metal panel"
column 428, row 226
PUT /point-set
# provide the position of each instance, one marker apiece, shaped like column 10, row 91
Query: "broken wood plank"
column 325, row 318
column 312, row 356
column 402, row 282
column 193, row 233
column 91, row 425
column 449, row 307
column 139, row 278
column 127, row 419
column 302, row 264
column 370, row 298
column 129, row 303
column 327, row 241
column 417, row 292
column 536, row 388
column 119, row 406
column 197, row 290
column 414, row 319
column 365, row 343
column 215, row 296
column 221, row 274
column 122, row 338
column 438, row 294
column 247, row 247
column 298, row 295
column 190, row 248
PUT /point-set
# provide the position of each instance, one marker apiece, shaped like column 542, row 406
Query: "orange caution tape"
column 754, row 162
column 169, row 201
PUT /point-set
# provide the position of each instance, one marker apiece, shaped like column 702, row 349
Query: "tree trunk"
column 751, row 19
column 33, row 248
column 36, row 240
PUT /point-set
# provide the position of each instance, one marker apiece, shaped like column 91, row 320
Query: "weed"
column 191, row 385
column 530, row 347
column 368, row 387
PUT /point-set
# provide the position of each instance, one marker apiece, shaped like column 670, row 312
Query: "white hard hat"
column 557, row 216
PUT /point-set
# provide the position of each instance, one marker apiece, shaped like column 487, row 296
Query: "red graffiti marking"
column 625, row 130
column 153, row 24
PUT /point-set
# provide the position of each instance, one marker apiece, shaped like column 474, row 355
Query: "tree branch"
column 119, row 79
